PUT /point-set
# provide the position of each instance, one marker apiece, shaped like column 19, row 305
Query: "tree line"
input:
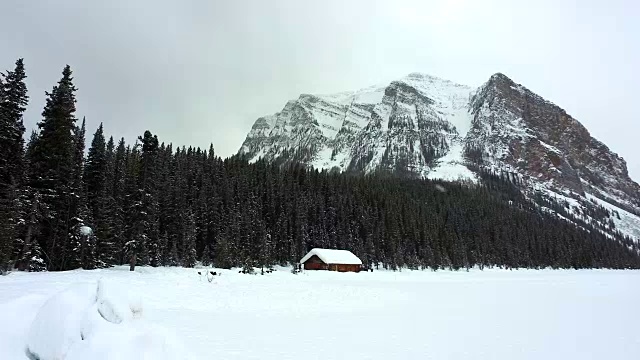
column 148, row 203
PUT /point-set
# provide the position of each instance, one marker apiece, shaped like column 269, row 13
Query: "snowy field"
column 173, row 313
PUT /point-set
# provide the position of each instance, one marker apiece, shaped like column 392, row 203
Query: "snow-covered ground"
column 491, row 314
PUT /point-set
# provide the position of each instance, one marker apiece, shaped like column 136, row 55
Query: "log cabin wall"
column 315, row 263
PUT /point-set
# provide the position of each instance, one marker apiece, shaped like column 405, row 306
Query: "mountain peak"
column 501, row 78
column 425, row 126
column 422, row 77
column 419, row 75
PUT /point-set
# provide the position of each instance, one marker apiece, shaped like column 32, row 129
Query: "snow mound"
column 58, row 324
column 115, row 304
column 85, row 230
column 96, row 321
column 139, row 341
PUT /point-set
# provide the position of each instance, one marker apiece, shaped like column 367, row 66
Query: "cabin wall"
column 345, row 267
column 315, row 263
column 315, row 266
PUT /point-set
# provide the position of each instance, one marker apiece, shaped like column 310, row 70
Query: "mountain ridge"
column 425, row 126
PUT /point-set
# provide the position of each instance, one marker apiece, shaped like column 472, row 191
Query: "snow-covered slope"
column 410, row 125
column 424, row 126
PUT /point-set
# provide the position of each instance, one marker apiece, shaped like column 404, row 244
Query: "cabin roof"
column 331, row 256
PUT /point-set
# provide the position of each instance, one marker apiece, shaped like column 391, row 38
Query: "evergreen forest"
column 71, row 199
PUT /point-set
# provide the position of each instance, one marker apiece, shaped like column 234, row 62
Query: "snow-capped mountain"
column 425, row 126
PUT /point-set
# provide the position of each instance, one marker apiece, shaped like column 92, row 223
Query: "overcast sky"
column 196, row 72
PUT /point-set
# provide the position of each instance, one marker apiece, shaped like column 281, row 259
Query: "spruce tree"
column 53, row 170
column 173, row 255
column 13, row 102
column 266, row 252
column 82, row 243
column 95, row 173
column 145, row 206
column 7, row 224
column 29, row 255
column 163, row 244
column 106, row 214
column 134, row 218
column 189, row 255
column 78, row 161
column 99, row 177
column 206, row 256
column 222, row 258
column 117, row 191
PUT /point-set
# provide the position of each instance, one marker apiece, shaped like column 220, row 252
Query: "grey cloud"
column 197, row 72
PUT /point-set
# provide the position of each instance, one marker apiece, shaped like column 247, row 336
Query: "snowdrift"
column 98, row 321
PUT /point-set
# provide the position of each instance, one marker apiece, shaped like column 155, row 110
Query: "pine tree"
column 266, row 252
column 117, row 191
column 13, row 102
column 163, row 245
column 132, row 204
column 78, row 161
column 173, row 255
column 189, row 241
column 146, row 231
column 7, row 223
column 206, row 256
column 52, row 174
column 222, row 257
column 94, row 177
column 106, row 214
column 28, row 252
column 155, row 246
column 99, row 177
column 82, row 244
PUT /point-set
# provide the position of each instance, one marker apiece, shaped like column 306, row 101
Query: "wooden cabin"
column 332, row 260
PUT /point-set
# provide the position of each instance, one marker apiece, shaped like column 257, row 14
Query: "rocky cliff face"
column 513, row 128
column 413, row 126
column 423, row 126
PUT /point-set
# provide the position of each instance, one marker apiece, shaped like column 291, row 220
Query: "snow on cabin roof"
column 331, row 256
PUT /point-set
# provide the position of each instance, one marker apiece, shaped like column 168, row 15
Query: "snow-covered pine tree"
column 144, row 256
column 106, row 251
column 155, row 247
column 13, row 102
column 248, row 266
column 206, row 256
column 99, row 199
column 132, row 206
column 163, row 244
column 173, row 259
column 53, row 169
column 28, row 254
column 117, row 189
column 78, row 159
column 147, row 217
column 222, row 258
column 95, row 170
column 7, row 225
column 82, row 244
column 266, row 258
column 189, row 255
